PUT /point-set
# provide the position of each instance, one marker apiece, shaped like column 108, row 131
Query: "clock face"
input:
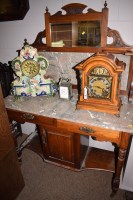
column 30, row 68
column 64, row 93
column 99, row 83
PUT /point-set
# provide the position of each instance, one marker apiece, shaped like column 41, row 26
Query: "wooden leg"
column 19, row 154
column 119, row 165
column 120, row 160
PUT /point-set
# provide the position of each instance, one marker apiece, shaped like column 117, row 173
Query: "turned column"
column 122, row 149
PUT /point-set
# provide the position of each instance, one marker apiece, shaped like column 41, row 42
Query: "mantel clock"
column 100, row 83
column 30, row 70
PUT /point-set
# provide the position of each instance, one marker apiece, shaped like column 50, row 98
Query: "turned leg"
column 120, row 160
column 119, row 165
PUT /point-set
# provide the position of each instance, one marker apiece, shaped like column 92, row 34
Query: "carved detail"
column 117, row 40
column 90, row 10
column 116, row 183
column 116, row 178
column 122, row 154
column 77, row 8
column 59, row 13
column 38, row 41
column 74, row 8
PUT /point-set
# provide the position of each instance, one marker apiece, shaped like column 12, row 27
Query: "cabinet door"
column 58, row 145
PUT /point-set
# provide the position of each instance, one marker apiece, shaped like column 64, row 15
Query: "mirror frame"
column 74, row 13
column 118, row 46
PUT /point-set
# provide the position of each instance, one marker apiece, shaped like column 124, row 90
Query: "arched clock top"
column 109, row 61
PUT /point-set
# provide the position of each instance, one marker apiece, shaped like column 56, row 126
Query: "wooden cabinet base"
column 61, row 144
column 64, row 149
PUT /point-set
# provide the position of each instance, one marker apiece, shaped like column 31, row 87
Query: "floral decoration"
column 37, row 85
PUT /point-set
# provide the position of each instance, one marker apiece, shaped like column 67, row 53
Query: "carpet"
column 45, row 181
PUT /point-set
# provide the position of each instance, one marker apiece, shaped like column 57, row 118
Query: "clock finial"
column 25, row 42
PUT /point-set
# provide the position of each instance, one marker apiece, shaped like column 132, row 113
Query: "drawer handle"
column 28, row 116
column 86, row 129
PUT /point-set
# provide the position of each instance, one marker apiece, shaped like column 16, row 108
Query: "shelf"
column 100, row 159
column 73, row 49
column 82, row 28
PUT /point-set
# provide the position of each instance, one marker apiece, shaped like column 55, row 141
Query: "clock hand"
column 98, row 87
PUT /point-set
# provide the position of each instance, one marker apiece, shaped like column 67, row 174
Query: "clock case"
column 115, row 68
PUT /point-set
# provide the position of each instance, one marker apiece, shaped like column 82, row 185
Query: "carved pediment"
column 117, row 39
column 74, row 8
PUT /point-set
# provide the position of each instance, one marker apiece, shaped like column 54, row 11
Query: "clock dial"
column 99, row 83
column 100, row 87
column 30, row 68
column 64, row 92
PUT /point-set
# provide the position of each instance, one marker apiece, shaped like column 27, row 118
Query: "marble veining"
column 66, row 110
column 64, row 62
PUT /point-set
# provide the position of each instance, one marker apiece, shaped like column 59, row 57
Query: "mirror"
column 76, row 31
column 89, row 33
column 81, row 33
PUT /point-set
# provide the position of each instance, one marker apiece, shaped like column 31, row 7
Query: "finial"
column 25, row 42
column 105, row 4
column 46, row 9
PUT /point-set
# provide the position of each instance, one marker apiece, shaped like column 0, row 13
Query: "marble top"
column 55, row 107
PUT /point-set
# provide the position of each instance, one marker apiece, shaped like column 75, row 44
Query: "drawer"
column 101, row 134
column 23, row 117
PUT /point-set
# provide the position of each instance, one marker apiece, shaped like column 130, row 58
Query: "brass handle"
column 86, row 129
column 28, row 116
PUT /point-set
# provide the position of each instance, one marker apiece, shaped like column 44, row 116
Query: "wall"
column 13, row 33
